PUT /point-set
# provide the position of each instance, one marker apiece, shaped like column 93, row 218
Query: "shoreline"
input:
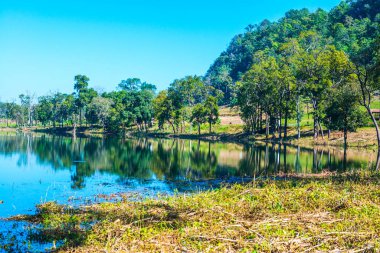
column 362, row 139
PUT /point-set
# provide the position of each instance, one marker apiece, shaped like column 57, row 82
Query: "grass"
column 375, row 104
column 298, row 215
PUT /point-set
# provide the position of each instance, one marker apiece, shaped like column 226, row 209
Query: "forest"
column 271, row 72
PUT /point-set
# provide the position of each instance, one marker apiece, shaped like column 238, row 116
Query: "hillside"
column 335, row 25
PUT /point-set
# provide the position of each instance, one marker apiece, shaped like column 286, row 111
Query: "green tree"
column 342, row 111
column 259, row 92
column 69, row 110
column 131, row 84
column 163, row 109
column 132, row 105
column 81, row 88
column 198, row 116
column 183, row 94
column 212, row 110
column 319, row 67
column 44, row 110
column 99, row 110
column 59, row 114
column 26, row 101
column 9, row 111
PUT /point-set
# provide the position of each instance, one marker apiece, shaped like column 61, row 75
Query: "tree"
column 292, row 88
column 212, row 110
column 70, row 111
column 9, row 111
column 27, row 108
column 356, row 31
column 259, row 92
column 343, row 111
column 59, row 113
column 143, row 108
column 319, row 68
column 99, row 110
column 132, row 105
column 81, row 88
column 163, row 109
column 131, row 84
column 198, row 116
column 183, row 94
column 44, row 110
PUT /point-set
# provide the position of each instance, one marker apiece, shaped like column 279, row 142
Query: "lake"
column 36, row 168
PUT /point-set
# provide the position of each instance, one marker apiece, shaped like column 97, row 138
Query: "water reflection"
column 169, row 159
column 39, row 168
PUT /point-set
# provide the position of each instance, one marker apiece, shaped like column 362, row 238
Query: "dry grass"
column 303, row 215
column 229, row 116
column 362, row 138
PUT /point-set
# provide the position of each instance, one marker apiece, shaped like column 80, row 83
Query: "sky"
column 45, row 43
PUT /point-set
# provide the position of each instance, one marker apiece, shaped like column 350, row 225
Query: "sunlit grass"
column 337, row 213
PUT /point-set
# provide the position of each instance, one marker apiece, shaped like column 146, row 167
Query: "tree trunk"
column 315, row 119
column 287, row 111
column 199, row 129
column 256, row 124
column 286, row 125
column 279, row 127
column 80, row 117
column 267, row 126
column 210, row 127
column 377, row 135
column 298, row 119
column 320, row 127
column 172, row 126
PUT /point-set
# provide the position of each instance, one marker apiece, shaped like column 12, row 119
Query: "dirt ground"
column 229, row 116
column 363, row 137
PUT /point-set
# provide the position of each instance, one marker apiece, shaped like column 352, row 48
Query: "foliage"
column 99, row 110
column 342, row 110
column 198, row 116
column 212, row 111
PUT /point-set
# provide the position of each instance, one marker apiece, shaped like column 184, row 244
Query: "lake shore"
column 339, row 213
column 364, row 138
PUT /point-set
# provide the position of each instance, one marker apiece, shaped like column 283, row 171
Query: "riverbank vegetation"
column 324, row 213
column 323, row 63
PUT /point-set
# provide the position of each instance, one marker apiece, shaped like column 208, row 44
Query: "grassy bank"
column 295, row 215
column 231, row 129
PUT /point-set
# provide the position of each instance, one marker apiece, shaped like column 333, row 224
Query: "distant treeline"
column 134, row 103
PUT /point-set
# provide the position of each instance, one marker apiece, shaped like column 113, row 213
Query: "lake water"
column 38, row 168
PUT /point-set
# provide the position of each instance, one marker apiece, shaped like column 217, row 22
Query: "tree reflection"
column 171, row 159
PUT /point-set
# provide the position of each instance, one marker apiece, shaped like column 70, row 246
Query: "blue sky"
column 45, row 43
